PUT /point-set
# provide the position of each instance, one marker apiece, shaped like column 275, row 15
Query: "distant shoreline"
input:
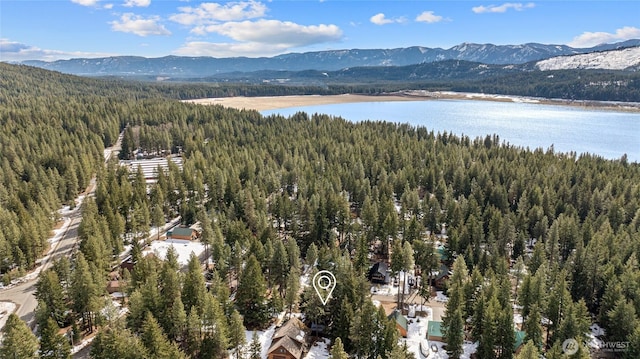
column 277, row 102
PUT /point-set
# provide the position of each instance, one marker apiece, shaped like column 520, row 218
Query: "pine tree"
column 18, row 341
column 250, row 297
column 50, row 292
column 293, row 287
column 117, row 344
column 529, row 351
column 255, row 348
column 83, row 292
column 193, row 334
column 532, row 327
column 312, row 255
column 279, row 266
column 236, row 333
column 453, row 333
column 622, row 314
column 193, row 288
column 52, row 345
column 337, row 350
column 453, row 321
column 401, row 352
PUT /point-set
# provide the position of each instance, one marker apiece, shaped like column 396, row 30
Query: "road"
column 23, row 294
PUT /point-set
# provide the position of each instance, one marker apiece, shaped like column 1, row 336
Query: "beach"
column 276, row 102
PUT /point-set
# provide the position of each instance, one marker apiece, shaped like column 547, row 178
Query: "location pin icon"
column 324, row 282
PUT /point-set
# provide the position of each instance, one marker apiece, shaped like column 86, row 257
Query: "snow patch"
column 611, row 60
column 6, row 308
column 319, row 350
column 183, row 248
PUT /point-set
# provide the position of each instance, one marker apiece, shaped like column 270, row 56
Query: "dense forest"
column 555, row 233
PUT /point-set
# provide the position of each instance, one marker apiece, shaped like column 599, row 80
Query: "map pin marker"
column 324, row 282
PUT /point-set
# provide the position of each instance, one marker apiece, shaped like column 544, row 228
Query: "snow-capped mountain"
column 622, row 59
column 193, row 67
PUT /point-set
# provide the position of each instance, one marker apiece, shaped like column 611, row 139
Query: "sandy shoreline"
column 277, row 102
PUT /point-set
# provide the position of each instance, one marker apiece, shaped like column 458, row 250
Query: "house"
column 401, row 322
column 183, row 233
column 113, row 286
column 434, row 331
column 288, row 341
column 379, row 273
column 442, row 277
column 519, row 342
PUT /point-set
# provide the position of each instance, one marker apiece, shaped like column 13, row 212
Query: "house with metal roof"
column 401, row 322
column 288, row 341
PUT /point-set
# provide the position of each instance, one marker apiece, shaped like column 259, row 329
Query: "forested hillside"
column 559, row 234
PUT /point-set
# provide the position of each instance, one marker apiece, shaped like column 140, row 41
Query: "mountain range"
column 334, row 60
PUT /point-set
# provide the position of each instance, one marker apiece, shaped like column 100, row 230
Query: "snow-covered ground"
column 183, row 248
column 441, row 297
column 517, row 319
column 263, row 336
column 319, row 350
column 417, row 334
column 6, row 308
column 593, row 340
column 612, row 60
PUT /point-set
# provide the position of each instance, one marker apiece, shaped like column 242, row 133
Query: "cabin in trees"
column 379, row 273
column 401, row 322
column 519, row 342
column 288, row 341
column 441, row 278
column 184, row 233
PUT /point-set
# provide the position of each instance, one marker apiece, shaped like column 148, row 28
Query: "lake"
column 609, row 134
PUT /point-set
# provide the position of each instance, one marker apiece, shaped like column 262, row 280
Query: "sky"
column 61, row 29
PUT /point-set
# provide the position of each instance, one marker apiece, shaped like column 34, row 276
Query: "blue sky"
column 62, row 29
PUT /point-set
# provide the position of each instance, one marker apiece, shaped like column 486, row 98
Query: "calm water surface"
column 608, row 134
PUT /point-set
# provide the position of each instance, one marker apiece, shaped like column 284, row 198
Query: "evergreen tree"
column 156, row 341
column 117, row 344
column 236, row 333
column 337, row 350
column 529, row 351
column 193, row 334
column 532, row 327
column 18, row 341
column 84, row 292
column 250, row 297
column 255, row 348
column 293, row 287
column 312, row 255
column 401, row 352
column 52, row 345
column 50, row 292
column 193, row 288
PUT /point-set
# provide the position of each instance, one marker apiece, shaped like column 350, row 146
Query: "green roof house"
column 519, row 335
column 401, row 322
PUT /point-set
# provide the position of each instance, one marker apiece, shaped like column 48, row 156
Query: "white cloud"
column 429, row 17
column 502, row 8
column 381, row 19
column 15, row 51
column 275, row 32
column 259, row 38
column 589, row 39
column 108, row 6
column 86, row 2
column 138, row 25
column 138, row 3
column 210, row 13
column 248, row 49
